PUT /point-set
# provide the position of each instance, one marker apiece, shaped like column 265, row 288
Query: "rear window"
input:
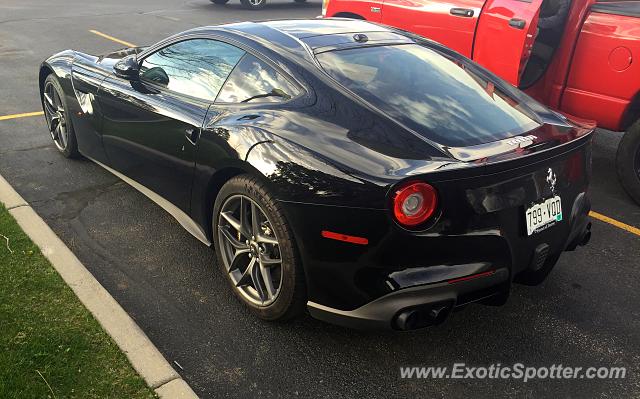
column 429, row 93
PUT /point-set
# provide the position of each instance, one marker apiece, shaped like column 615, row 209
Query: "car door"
column 152, row 125
column 505, row 35
column 451, row 23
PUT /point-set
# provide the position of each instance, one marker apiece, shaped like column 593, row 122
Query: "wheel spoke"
column 268, row 262
column 244, row 220
column 48, row 104
column 266, row 239
column 268, row 282
column 259, row 283
column 247, row 278
column 55, row 123
column 255, row 223
column 237, row 258
column 232, row 240
column 48, row 98
column 56, row 99
column 62, row 136
column 235, row 223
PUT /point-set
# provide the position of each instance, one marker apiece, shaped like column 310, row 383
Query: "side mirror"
column 127, row 68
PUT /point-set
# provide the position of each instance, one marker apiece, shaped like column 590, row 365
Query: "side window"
column 196, row 67
column 254, row 81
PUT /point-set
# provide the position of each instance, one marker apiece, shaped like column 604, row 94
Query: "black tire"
column 219, row 2
column 536, row 277
column 300, row 1
column 628, row 162
column 71, row 148
column 256, row 5
column 292, row 297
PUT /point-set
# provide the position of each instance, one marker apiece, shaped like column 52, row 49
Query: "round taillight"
column 414, row 203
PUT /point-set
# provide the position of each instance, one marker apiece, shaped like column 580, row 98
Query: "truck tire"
column 628, row 162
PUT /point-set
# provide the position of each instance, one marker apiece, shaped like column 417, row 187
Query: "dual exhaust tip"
column 422, row 316
column 436, row 313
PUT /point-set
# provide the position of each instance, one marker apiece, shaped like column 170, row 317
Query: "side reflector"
column 471, row 277
column 344, row 237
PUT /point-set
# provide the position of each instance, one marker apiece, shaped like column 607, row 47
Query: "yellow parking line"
column 15, row 116
column 112, row 38
column 618, row 224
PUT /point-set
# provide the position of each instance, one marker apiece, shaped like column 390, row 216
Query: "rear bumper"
column 430, row 304
column 416, row 307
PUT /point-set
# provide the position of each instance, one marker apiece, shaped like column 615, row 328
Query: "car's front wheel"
column 254, row 4
column 256, row 250
column 628, row 161
column 58, row 119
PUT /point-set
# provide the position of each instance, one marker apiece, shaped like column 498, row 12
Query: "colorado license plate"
column 543, row 214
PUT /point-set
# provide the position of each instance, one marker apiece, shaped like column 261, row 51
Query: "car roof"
column 307, row 36
column 306, row 28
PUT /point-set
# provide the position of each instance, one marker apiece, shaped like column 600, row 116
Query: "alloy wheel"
column 255, row 3
column 56, row 116
column 250, row 250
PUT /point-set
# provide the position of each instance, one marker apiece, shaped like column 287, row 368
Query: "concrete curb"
column 141, row 352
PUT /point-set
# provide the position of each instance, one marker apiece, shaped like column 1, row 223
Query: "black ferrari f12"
column 371, row 176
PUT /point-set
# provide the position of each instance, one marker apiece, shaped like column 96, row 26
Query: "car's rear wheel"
column 300, row 1
column 58, row 120
column 254, row 4
column 256, row 250
column 628, row 161
column 219, row 2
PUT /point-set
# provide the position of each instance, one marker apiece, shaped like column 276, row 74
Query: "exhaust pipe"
column 423, row 316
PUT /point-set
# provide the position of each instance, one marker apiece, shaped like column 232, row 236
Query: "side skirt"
column 185, row 221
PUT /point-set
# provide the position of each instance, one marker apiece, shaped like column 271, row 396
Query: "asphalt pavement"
column 585, row 314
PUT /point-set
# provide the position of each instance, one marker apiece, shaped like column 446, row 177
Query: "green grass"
column 50, row 345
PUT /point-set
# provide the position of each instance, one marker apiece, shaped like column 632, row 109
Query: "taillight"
column 414, row 203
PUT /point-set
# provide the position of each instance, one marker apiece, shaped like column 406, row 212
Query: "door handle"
column 192, row 135
column 517, row 23
column 375, row 9
column 461, row 12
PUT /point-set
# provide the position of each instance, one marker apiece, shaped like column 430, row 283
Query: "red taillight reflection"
column 414, row 202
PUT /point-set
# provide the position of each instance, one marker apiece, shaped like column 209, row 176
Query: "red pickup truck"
column 580, row 57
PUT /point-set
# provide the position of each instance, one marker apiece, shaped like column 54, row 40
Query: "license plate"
column 543, row 215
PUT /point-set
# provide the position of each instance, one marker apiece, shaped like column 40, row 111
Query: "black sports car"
column 371, row 176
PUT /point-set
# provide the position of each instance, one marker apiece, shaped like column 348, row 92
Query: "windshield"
column 429, row 93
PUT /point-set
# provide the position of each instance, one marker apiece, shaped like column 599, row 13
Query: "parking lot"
column 585, row 314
